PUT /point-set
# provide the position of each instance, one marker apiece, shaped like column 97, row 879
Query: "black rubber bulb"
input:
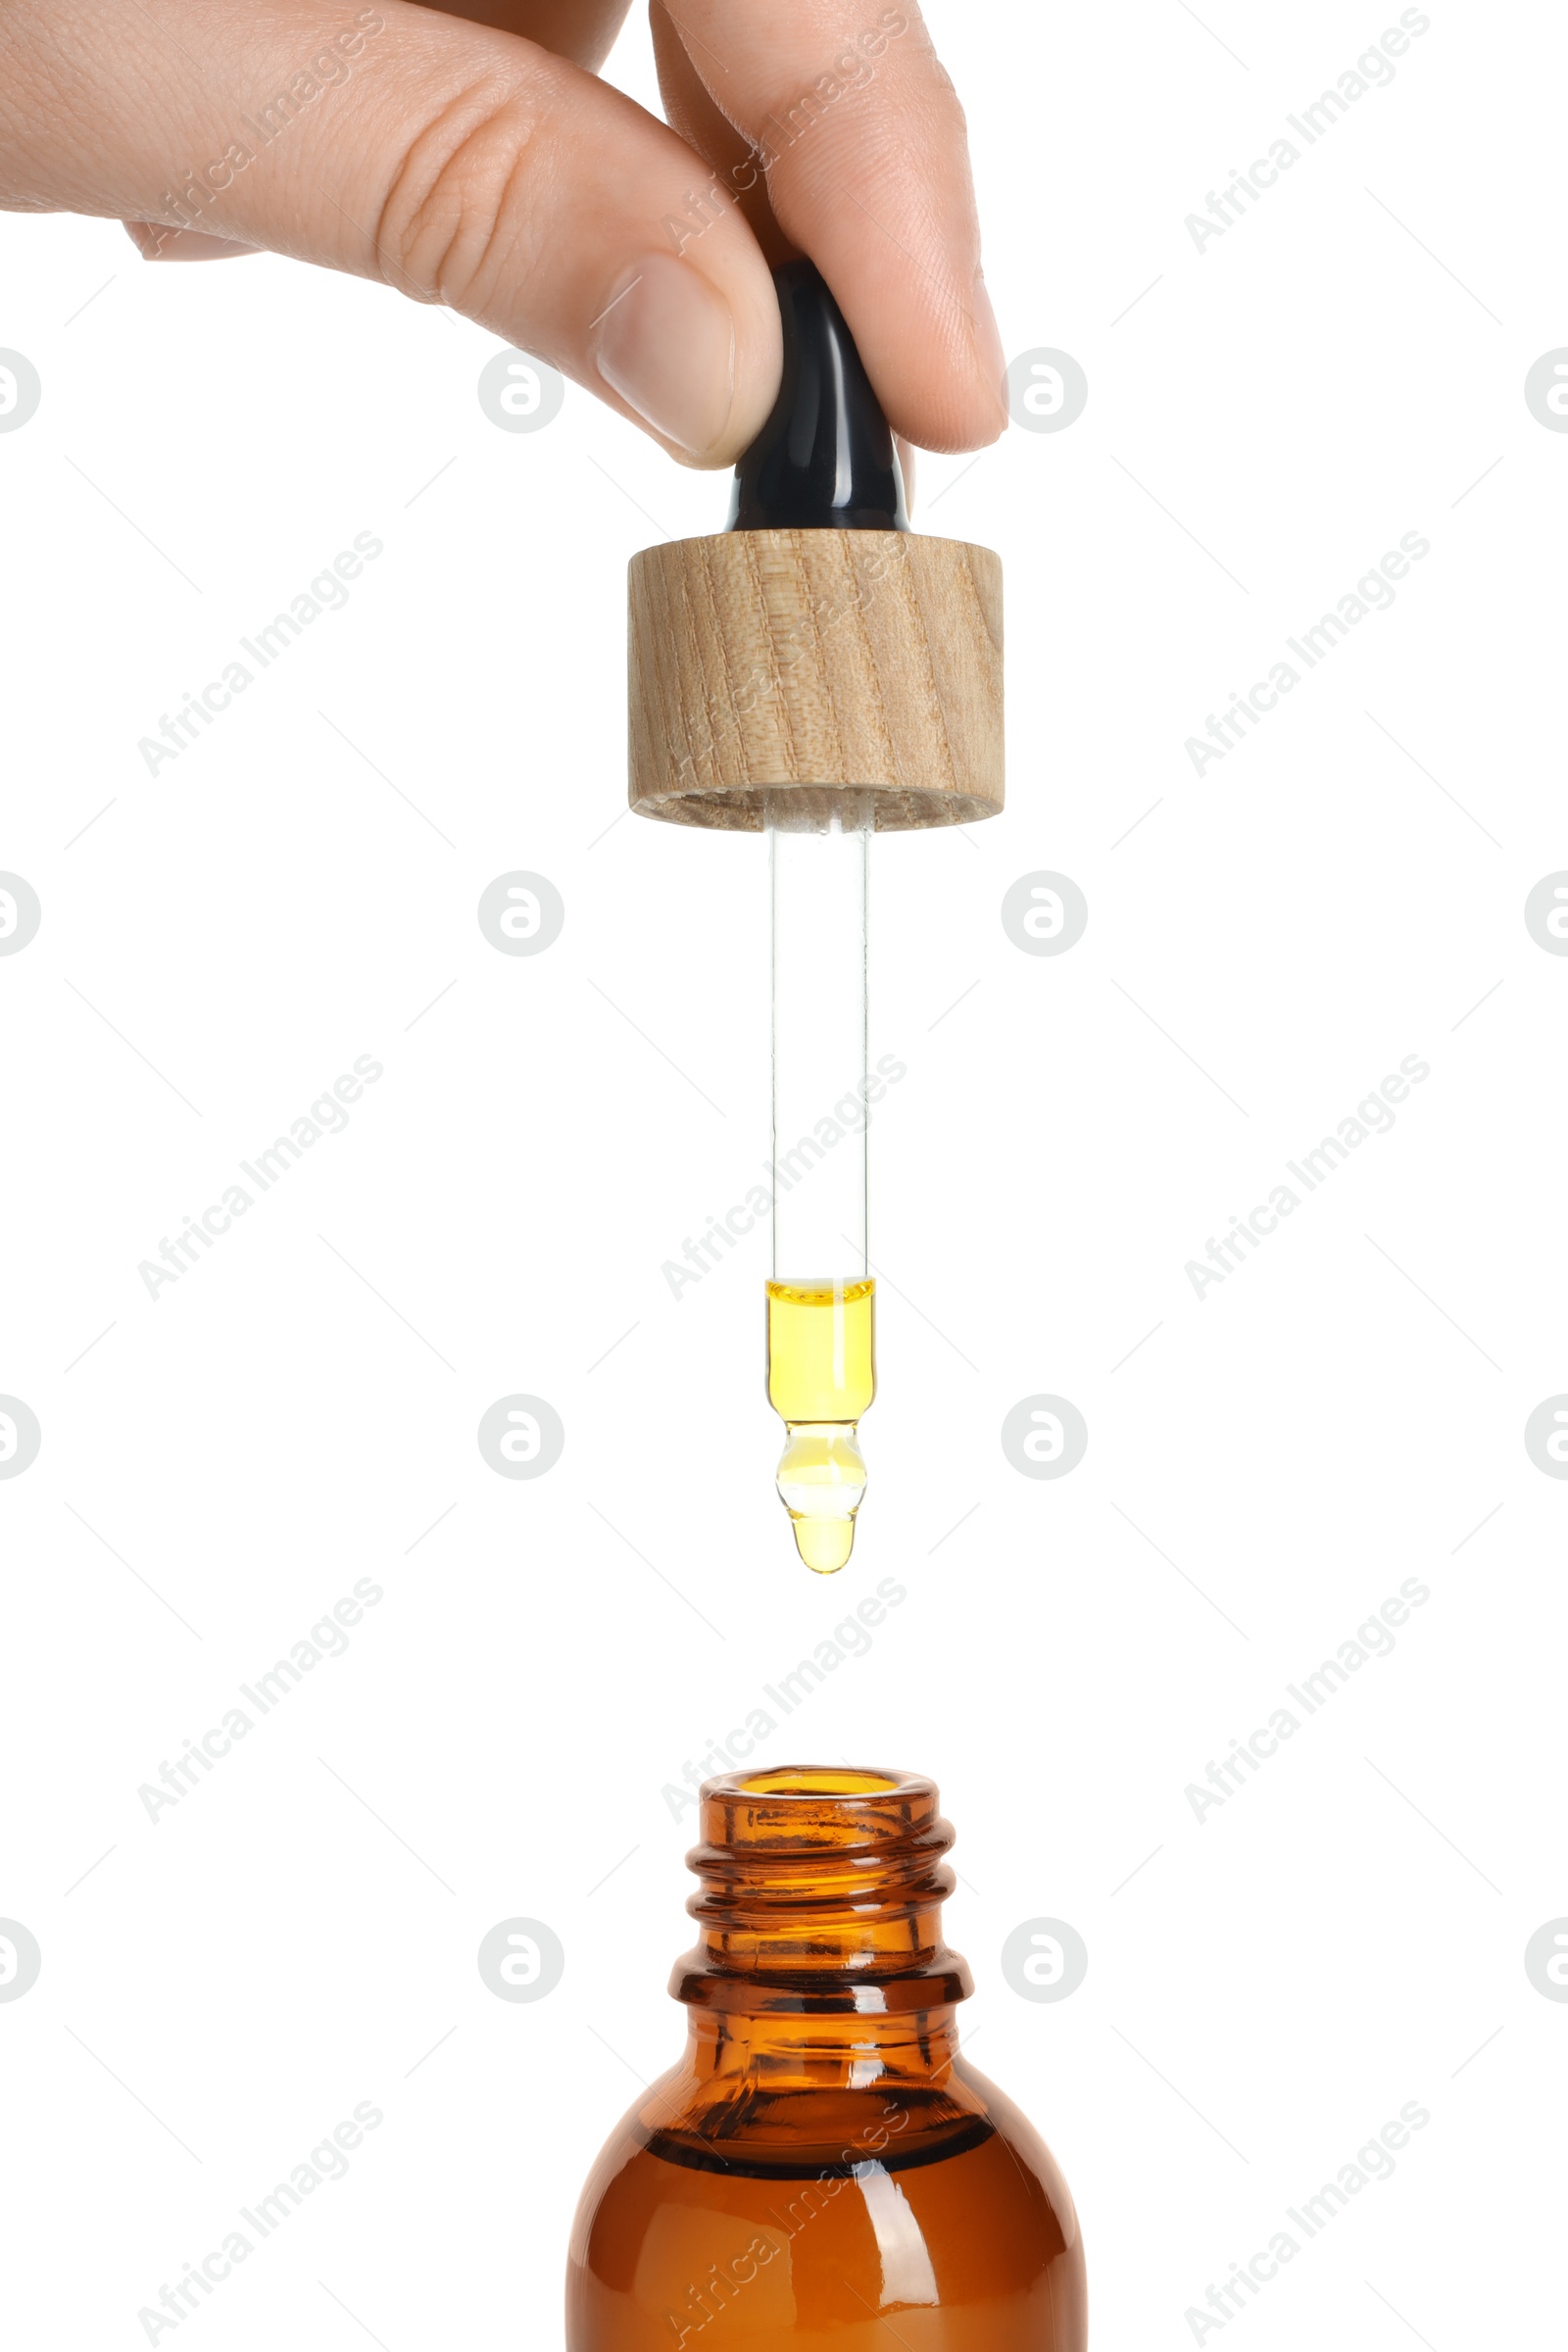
column 826, row 460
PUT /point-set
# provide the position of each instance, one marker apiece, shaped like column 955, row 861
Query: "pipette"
column 817, row 672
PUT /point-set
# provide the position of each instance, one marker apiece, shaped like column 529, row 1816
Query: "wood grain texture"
column 814, row 662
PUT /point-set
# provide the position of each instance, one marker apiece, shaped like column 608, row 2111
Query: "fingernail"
column 987, row 350
column 160, row 244
column 665, row 342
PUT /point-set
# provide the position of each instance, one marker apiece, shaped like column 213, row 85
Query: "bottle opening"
column 816, row 1783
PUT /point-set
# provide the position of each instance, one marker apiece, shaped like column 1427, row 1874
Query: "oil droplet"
column 821, row 1479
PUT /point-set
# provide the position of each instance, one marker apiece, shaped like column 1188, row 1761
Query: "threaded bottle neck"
column 820, row 1896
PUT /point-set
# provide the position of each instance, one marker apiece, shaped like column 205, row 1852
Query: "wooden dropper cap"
column 818, row 647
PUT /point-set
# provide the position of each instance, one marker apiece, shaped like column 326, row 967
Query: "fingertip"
column 991, row 359
column 946, row 377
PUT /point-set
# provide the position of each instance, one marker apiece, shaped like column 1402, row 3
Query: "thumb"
column 455, row 163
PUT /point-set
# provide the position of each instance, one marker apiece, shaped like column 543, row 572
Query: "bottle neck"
column 820, row 1951
column 918, row 2049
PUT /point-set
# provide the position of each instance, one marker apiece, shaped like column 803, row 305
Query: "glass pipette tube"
column 821, row 1299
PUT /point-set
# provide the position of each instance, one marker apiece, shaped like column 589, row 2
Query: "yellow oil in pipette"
column 821, row 1376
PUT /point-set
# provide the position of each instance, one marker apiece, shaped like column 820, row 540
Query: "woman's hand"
column 484, row 164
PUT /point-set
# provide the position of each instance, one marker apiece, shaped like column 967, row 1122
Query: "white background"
column 1346, row 1934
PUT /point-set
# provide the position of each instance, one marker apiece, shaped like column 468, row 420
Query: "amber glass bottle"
column 823, row 2172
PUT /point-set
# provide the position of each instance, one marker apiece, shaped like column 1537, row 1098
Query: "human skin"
column 475, row 158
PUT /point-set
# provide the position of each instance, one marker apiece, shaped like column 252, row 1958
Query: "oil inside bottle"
column 821, row 1376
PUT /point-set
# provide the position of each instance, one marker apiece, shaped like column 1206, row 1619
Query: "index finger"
column 846, row 108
